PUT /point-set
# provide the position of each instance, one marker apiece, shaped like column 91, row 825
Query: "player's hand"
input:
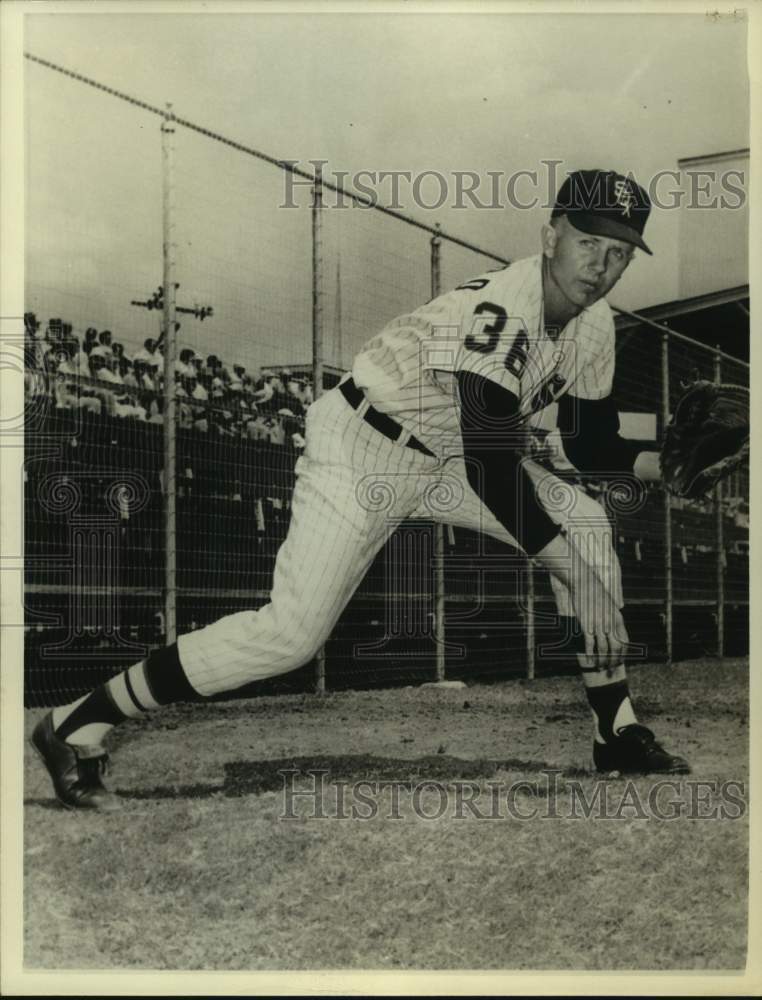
column 599, row 617
column 601, row 622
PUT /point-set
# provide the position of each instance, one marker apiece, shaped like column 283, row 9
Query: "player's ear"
column 548, row 238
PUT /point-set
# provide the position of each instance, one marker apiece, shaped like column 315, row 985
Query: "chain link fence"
column 160, row 459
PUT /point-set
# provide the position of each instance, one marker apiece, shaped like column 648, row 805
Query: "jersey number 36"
column 487, row 338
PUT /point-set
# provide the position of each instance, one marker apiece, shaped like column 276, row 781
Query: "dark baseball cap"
column 604, row 203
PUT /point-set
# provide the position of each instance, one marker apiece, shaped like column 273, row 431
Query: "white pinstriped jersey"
column 492, row 326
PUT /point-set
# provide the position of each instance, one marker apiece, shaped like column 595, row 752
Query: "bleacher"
column 95, row 539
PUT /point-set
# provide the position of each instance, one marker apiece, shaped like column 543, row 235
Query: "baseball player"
column 432, row 422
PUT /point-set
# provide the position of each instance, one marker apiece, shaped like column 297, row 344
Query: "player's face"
column 584, row 267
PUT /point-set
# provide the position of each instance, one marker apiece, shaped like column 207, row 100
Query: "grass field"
column 199, row 870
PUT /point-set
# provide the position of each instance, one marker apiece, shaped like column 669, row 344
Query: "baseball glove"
column 707, row 438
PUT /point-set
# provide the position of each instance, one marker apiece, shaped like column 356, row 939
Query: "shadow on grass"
column 250, row 777
column 51, row 803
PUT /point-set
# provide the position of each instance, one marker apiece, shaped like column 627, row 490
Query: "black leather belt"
column 380, row 421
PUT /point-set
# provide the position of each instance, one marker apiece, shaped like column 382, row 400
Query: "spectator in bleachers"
column 52, row 340
column 219, row 370
column 292, row 425
column 102, row 375
column 31, row 328
column 67, row 336
column 148, row 354
column 91, row 339
column 220, row 416
column 194, row 390
column 34, row 343
column 103, row 347
column 183, row 365
column 31, row 325
column 89, row 396
column 65, row 383
column 248, row 391
column 295, row 387
column 277, row 433
column 198, row 390
column 35, row 381
column 143, row 376
column 263, row 390
column 241, row 410
column 71, row 354
column 127, row 373
column 126, row 397
column 184, row 409
column 154, row 407
column 54, row 330
column 256, row 428
column 128, row 407
column 113, row 366
column 236, row 379
column 230, row 403
column 211, row 375
column 204, row 380
column 201, row 419
column 80, row 358
column 280, row 399
column 50, row 367
column 117, row 350
column 35, row 384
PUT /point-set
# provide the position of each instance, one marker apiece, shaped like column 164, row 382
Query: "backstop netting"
column 267, row 297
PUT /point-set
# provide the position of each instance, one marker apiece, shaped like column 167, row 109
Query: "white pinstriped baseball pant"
column 354, row 487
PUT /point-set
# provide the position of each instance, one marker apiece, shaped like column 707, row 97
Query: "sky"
column 440, row 92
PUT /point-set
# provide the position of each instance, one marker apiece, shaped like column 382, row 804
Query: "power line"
column 265, row 157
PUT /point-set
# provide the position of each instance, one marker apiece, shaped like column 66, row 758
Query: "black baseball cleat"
column 634, row 750
column 76, row 771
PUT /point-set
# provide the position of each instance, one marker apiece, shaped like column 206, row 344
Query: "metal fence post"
column 439, row 568
column 530, row 637
column 170, row 353
column 317, row 282
column 720, row 541
column 317, row 343
column 668, row 605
